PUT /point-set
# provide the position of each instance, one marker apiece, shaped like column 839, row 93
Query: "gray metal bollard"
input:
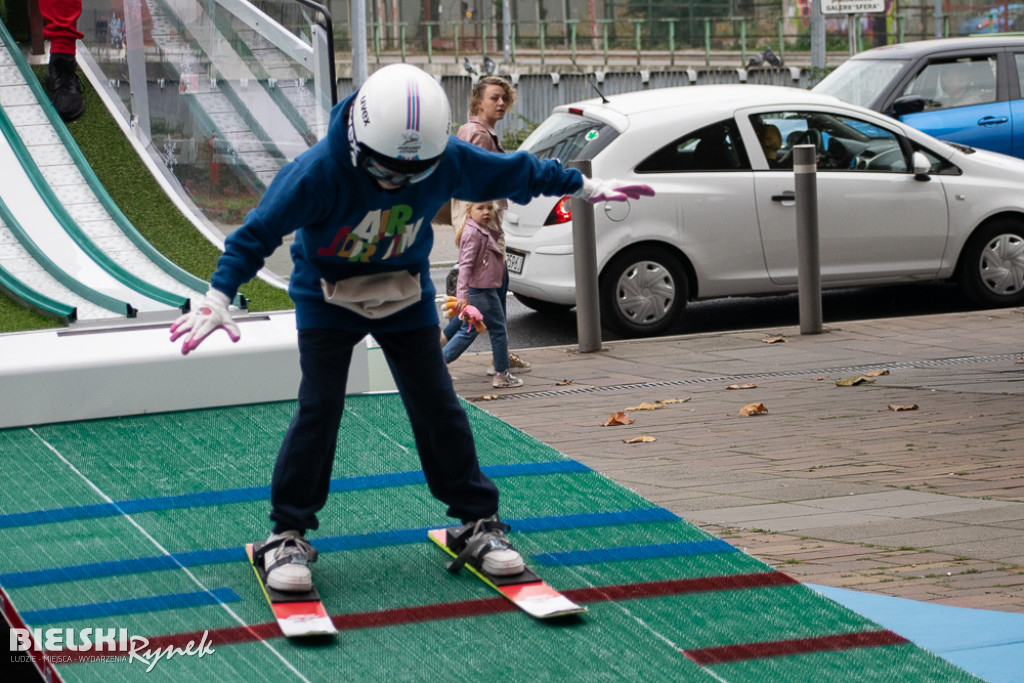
column 584, row 249
column 807, row 246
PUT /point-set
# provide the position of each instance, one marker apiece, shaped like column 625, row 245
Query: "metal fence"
column 738, row 25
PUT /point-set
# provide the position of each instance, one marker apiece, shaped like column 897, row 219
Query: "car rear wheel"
column 643, row 292
column 992, row 270
column 540, row 305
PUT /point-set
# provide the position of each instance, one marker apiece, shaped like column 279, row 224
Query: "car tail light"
column 562, row 213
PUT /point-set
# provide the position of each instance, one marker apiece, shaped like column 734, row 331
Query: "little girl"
column 481, row 283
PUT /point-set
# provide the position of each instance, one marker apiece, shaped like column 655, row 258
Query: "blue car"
column 963, row 90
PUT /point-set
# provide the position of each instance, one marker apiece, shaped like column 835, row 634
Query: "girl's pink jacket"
column 481, row 262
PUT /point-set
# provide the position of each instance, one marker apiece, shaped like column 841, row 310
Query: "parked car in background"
column 965, row 90
column 995, row 19
column 895, row 205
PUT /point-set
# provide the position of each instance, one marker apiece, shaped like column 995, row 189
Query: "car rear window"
column 713, row 148
column 569, row 137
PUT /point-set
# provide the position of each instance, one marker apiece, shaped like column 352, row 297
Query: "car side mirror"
column 922, row 167
column 908, row 104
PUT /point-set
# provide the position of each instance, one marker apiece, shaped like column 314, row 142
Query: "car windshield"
column 569, row 137
column 860, row 81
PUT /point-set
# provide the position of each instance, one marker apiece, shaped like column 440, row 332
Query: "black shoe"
column 65, row 86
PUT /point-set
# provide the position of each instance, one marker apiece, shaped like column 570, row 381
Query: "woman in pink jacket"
column 489, row 101
column 481, row 278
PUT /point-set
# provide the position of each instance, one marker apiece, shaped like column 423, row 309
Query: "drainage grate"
column 939, row 362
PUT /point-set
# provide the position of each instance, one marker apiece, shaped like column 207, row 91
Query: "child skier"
column 360, row 203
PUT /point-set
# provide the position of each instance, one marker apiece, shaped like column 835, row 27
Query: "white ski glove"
column 207, row 315
column 595, row 190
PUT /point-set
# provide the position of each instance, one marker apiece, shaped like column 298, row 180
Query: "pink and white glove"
column 207, row 315
column 595, row 190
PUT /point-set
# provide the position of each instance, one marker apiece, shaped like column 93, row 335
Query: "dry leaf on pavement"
column 899, row 408
column 818, row 379
column 488, row 397
column 646, row 406
column 563, row 383
column 657, row 404
column 853, row 381
column 742, row 386
column 617, row 419
column 640, row 439
column 876, row 373
column 774, row 340
column 752, row 409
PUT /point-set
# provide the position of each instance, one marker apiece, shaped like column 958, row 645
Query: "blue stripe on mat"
column 133, row 606
column 633, row 552
column 251, row 493
column 328, row 544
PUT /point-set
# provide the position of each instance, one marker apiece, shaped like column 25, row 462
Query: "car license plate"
column 514, row 260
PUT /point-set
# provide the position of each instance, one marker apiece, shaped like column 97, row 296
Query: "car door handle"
column 992, row 120
column 787, row 196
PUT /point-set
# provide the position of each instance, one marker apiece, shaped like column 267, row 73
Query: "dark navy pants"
column 302, row 474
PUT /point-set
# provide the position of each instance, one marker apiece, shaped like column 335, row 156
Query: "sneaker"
column 65, row 86
column 521, row 366
column 518, row 364
column 505, row 380
column 483, row 545
column 287, row 562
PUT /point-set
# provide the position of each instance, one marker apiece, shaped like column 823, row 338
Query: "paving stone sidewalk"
column 830, row 485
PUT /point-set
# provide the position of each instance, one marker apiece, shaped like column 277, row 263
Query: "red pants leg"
column 61, row 27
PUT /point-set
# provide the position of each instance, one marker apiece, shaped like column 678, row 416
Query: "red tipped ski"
column 527, row 591
column 297, row 614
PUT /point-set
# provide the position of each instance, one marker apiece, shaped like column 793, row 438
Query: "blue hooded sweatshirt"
column 345, row 225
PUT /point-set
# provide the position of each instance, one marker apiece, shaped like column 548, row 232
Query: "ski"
column 297, row 614
column 526, row 590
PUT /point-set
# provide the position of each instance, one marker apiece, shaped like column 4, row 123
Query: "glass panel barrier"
column 232, row 91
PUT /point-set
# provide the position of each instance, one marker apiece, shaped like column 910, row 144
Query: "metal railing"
column 666, row 36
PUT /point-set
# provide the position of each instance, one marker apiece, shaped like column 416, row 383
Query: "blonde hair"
column 466, row 206
column 464, row 218
column 477, row 95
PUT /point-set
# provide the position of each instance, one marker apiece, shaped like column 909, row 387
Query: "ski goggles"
column 381, row 172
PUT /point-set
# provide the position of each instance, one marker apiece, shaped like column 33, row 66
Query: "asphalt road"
column 528, row 328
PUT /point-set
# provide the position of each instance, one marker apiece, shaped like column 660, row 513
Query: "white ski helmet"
column 401, row 120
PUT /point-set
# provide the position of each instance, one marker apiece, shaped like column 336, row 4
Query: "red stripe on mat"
column 797, row 646
column 467, row 608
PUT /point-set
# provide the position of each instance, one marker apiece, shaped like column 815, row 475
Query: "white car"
column 895, row 205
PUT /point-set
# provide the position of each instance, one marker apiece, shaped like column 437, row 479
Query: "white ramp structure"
column 83, row 374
